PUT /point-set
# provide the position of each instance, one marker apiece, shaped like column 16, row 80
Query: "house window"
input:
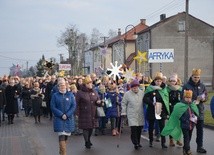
column 181, row 26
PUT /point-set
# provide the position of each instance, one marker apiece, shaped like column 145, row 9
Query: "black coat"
column 11, row 99
column 2, row 97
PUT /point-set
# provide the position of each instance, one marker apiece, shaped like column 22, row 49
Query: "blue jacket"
column 112, row 112
column 63, row 104
column 212, row 106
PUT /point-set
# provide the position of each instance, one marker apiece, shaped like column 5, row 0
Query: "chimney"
column 119, row 32
column 162, row 17
column 143, row 21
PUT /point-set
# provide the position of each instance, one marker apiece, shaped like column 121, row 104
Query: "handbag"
column 108, row 103
column 100, row 112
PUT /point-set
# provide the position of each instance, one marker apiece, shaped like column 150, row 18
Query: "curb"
column 209, row 127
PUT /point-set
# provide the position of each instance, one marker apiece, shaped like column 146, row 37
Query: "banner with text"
column 160, row 55
column 65, row 67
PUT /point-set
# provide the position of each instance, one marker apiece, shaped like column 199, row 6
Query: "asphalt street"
column 24, row 137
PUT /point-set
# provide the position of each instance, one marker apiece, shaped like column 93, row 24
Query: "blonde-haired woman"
column 63, row 106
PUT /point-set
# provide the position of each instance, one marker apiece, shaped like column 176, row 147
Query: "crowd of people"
column 83, row 104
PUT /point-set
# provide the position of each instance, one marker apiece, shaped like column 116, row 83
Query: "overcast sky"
column 30, row 28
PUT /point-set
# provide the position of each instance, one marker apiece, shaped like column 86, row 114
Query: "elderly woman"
column 132, row 107
column 63, row 106
column 87, row 99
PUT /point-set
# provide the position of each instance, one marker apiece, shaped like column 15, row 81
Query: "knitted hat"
column 196, row 72
column 135, row 83
column 173, row 77
column 158, row 76
column 188, row 93
column 87, row 80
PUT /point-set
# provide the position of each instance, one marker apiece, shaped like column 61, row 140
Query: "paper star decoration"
column 61, row 73
column 141, row 57
column 129, row 74
column 115, row 71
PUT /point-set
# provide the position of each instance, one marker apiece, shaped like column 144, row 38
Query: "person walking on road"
column 2, row 102
column 132, row 107
column 11, row 93
column 36, row 99
column 157, row 99
column 87, row 99
column 174, row 88
column 63, row 106
column 182, row 120
column 199, row 97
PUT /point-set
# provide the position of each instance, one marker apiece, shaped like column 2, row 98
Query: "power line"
column 17, row 59
column 167, row 7
column 27, row 51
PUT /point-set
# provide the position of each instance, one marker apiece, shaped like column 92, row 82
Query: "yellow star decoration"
column 141, row 57
column 61, row 73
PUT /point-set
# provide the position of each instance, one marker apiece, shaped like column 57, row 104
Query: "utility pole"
column 60, row 58
column 186, row 53
column 103, row 58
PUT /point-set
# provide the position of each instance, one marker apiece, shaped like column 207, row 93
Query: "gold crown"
column 159, row 75
column 188, row 93
column 196, row 72
column 87, row 80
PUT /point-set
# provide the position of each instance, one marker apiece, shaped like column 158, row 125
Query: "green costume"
column 173, row 126
column 164, row 94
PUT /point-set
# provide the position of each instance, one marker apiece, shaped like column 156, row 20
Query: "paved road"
column 26, row 138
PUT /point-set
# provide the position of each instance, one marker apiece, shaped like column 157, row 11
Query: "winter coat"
column 174, row 95
column 86, row 108
column 161, row 95
column 132, row 106
column 11, row 99
column 25, row 96
column 198, row 89
column 113, row 111
column 48, row 91
column 2, row 97
column 63, row 104
column 36, row 99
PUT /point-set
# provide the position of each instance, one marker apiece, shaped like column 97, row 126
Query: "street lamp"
column 134, row 37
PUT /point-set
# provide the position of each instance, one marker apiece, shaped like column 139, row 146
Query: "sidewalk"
column 24, row 136
column 13, row 141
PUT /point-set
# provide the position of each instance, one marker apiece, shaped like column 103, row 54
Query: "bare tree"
column 75, row 42
column 96, row 37
column 112, row 33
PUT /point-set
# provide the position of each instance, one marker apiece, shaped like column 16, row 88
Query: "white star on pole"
column 115, row 70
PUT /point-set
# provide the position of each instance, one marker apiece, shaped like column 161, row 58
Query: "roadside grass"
column 208, row 120
column 210, row 95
